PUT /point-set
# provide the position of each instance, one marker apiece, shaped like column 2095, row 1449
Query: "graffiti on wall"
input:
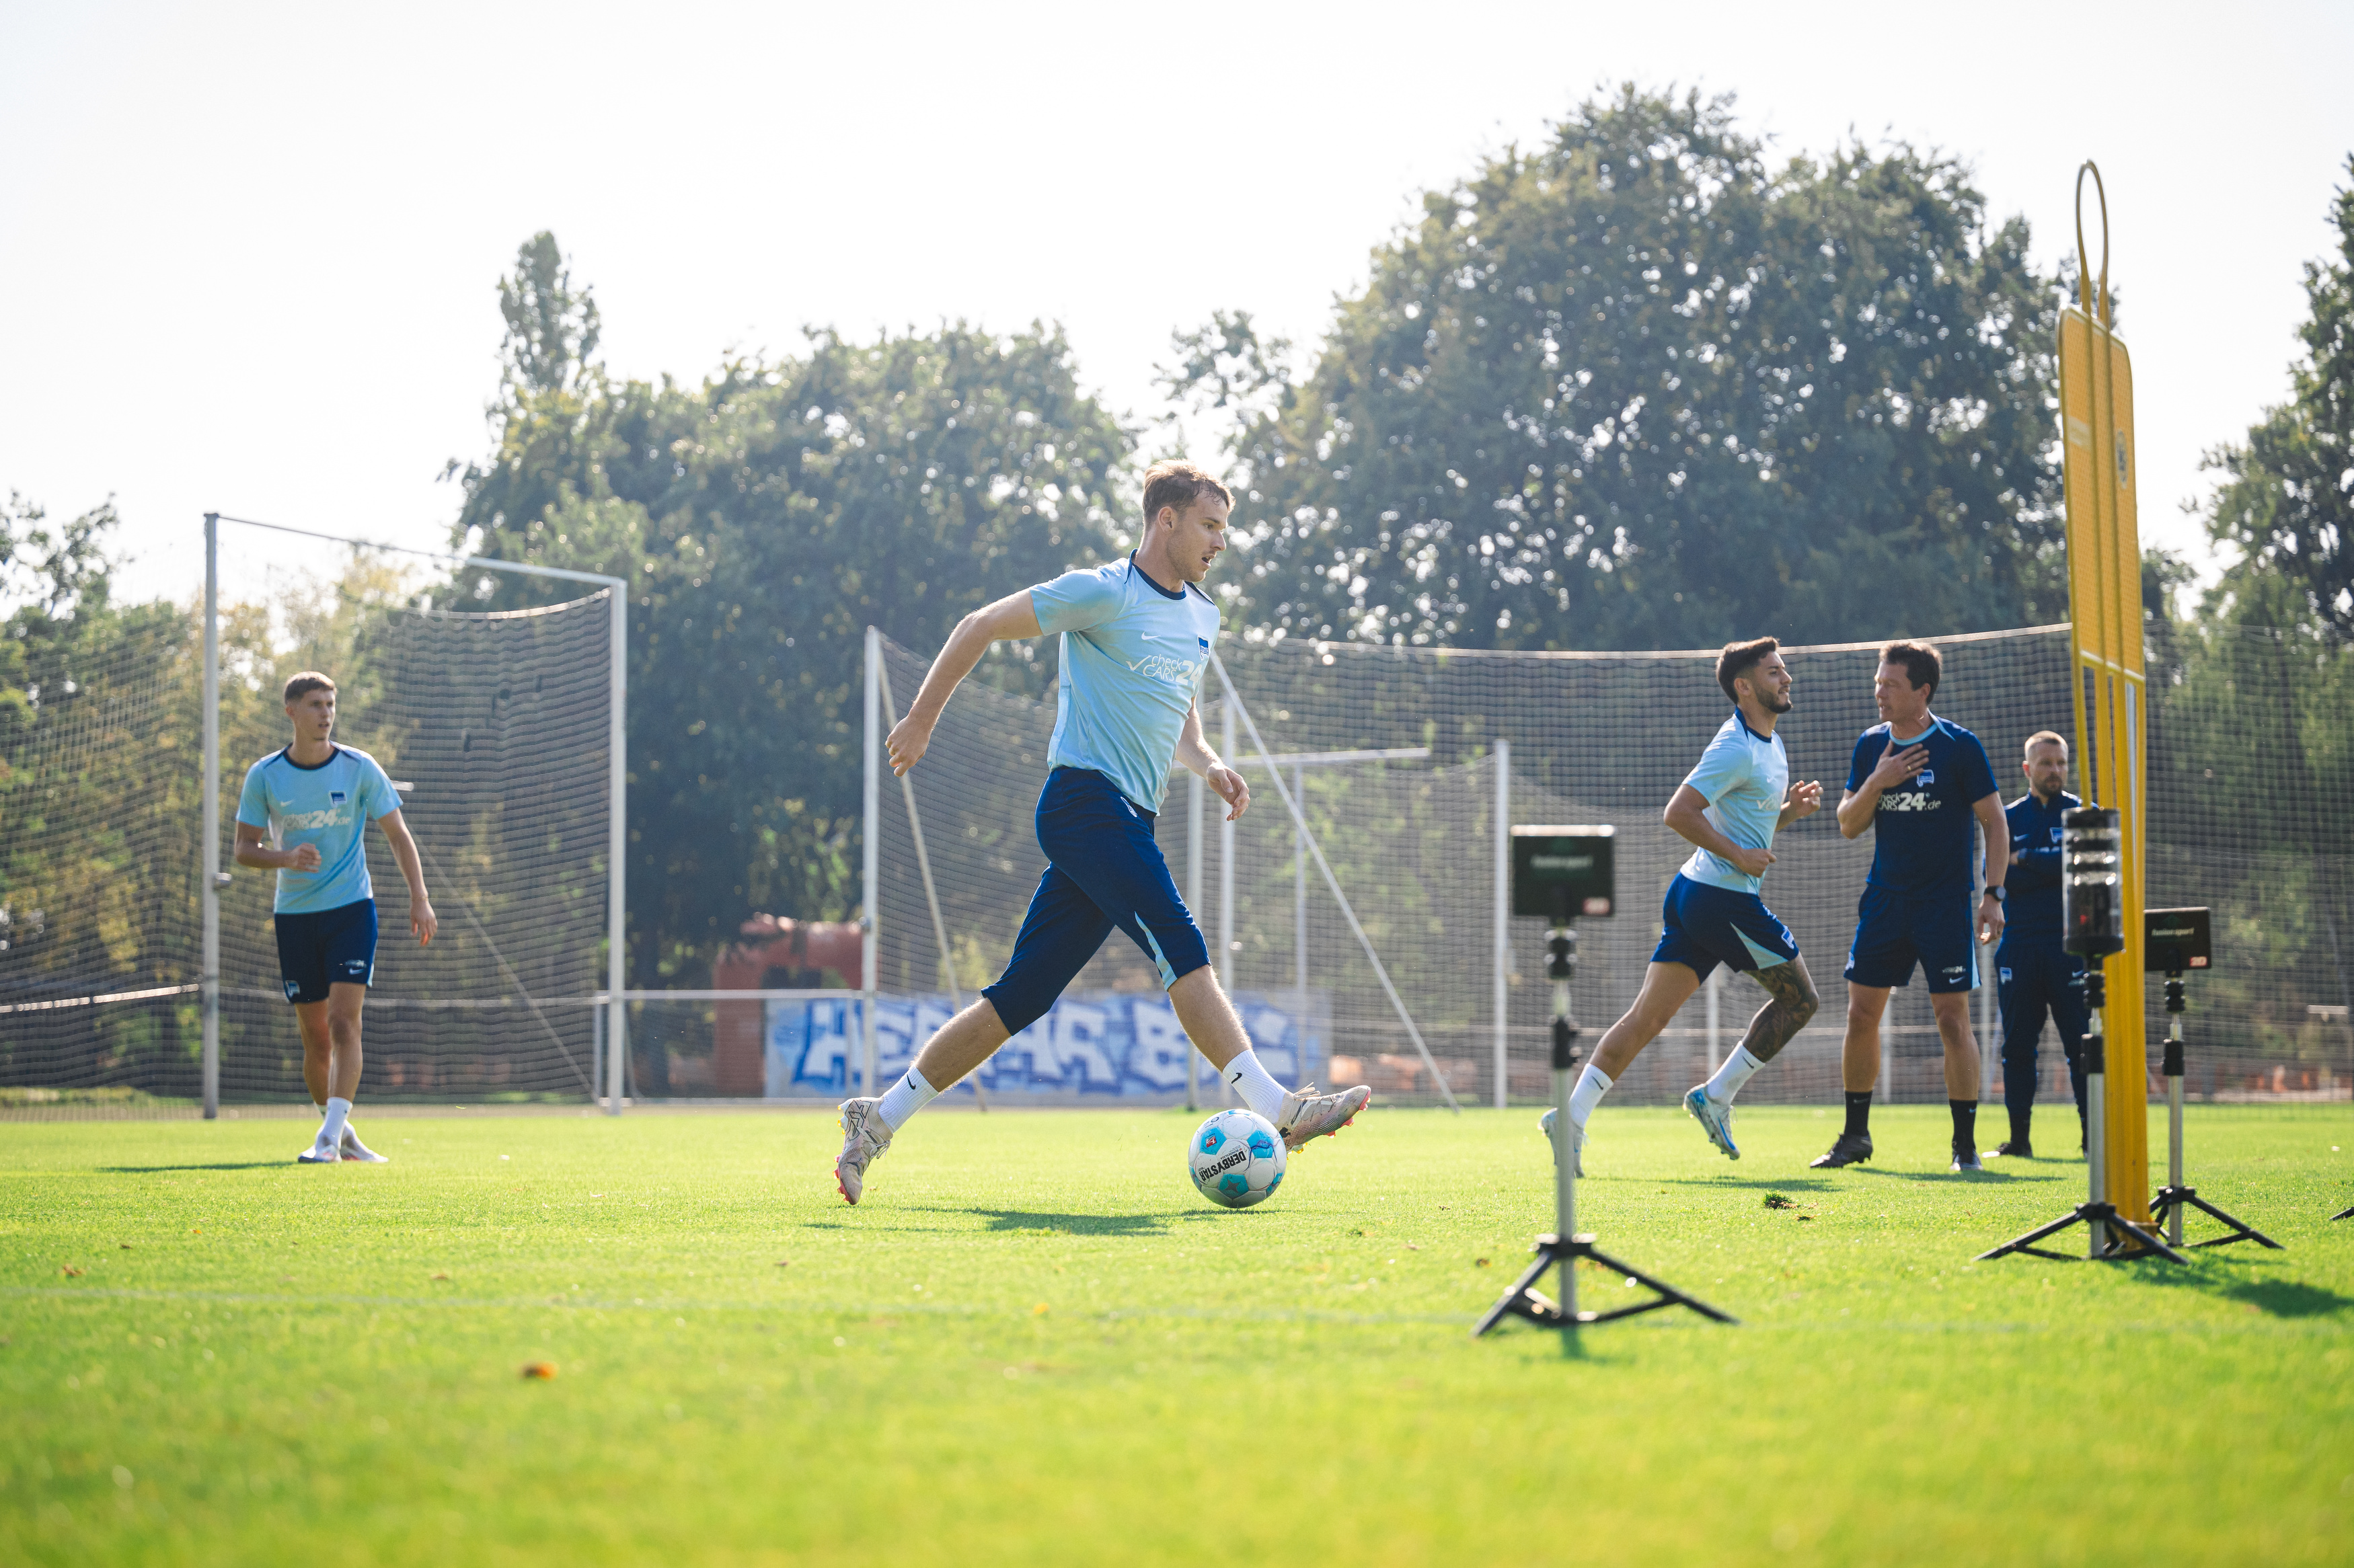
column 1090, row 1048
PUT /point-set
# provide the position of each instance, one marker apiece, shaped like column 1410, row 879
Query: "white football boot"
column 1307, row 1114
column 353, row 1149
column 320, row 1154
column 1715, row 1119
column 864, row 1138
column 1578, row 1155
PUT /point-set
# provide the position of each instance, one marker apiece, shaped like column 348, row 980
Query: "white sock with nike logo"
column 1256, row 1084
column 904, row 1099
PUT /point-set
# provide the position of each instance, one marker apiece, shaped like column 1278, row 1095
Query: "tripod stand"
column 2166, row 1208
column 1564, row 1246
column 2113, row 1235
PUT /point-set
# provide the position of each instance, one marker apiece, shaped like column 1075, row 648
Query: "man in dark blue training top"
column 2036, row 973
column 1136, row 636
column 1917, row 781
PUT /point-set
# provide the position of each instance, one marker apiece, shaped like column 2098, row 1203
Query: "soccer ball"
column 1236, row 1158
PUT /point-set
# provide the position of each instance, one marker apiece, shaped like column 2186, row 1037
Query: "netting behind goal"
column 498, row 725
column 1607, row 738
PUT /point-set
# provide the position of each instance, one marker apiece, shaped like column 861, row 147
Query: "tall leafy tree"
column 764, row 519
column 1638, row 388
column 2286, row 506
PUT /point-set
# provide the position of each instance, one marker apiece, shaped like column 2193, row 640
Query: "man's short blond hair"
column 2045, row 737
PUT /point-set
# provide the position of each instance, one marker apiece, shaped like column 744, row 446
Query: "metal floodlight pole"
column 212, row 879
column 1500, row 964
column 871, row 798
column 617, row 837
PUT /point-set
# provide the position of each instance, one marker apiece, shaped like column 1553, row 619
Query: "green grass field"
column 1034, row 1343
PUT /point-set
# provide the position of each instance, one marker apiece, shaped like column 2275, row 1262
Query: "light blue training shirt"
column 1744, row 776
column 330, row 805
column 1132, row 658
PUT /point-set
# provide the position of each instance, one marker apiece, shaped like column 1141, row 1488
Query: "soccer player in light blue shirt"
column 1136, row 638
column 1728, row 808
column 304, row 812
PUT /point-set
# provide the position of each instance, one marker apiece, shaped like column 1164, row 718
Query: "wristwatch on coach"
column 1996, row 894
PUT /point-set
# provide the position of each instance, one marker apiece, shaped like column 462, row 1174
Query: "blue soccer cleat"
column 1715, row 1119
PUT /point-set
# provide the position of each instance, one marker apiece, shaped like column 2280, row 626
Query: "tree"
column 552, row 328
column 2287, row 507
column 764, row 520
column 1635, row 388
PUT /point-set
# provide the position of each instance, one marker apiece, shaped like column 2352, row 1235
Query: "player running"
column 1136, row 636
column 314, row 799
column 1920, row 780
column 1729, row 808
column 2033, row 967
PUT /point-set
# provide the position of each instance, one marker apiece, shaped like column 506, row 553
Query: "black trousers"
column 2037, row 978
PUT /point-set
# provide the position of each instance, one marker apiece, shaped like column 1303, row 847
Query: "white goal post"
column 612, row 1005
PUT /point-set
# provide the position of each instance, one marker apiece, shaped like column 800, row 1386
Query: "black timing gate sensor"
column 2173, row 940
column 1562, row 873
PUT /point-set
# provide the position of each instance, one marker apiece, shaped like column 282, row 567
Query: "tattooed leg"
column 1792, row 1001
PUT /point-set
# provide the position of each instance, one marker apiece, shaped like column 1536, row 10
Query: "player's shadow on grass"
column 2274, row 1298
column 226, row 1165
column 1084, row 1224
column 1989, row 1178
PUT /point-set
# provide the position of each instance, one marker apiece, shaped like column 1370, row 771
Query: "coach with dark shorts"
column 2035, row 974
column 1916, row 782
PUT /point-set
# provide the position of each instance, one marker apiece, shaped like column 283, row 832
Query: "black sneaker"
column 2016, row 1148
column 1966, row 1160
column 1848, row 1148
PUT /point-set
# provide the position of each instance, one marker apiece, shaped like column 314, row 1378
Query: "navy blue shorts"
column 1102, row 870
column 326, row 947
column 1701, row 927
column 1892, row 933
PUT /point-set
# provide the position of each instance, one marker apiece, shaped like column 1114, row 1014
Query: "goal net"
column 2246, row 825
column 494, row 726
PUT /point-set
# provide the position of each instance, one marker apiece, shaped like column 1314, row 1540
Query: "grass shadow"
column 2232, row 1281
column 224, row 1165
column 1083, row 1224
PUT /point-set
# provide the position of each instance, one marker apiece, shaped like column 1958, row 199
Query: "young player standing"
column 1729, row 808
column 1917, row 781
column 2034, row 969
column 1136, row 636
column 314, row 800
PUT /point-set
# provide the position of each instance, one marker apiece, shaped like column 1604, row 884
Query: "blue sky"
column 249, row 252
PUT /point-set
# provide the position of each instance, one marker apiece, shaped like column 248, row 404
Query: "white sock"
column 1726, row 1081
column 331, row 1131
column 904, row 1099
column 1256, row 1084
column 1591, row 1085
